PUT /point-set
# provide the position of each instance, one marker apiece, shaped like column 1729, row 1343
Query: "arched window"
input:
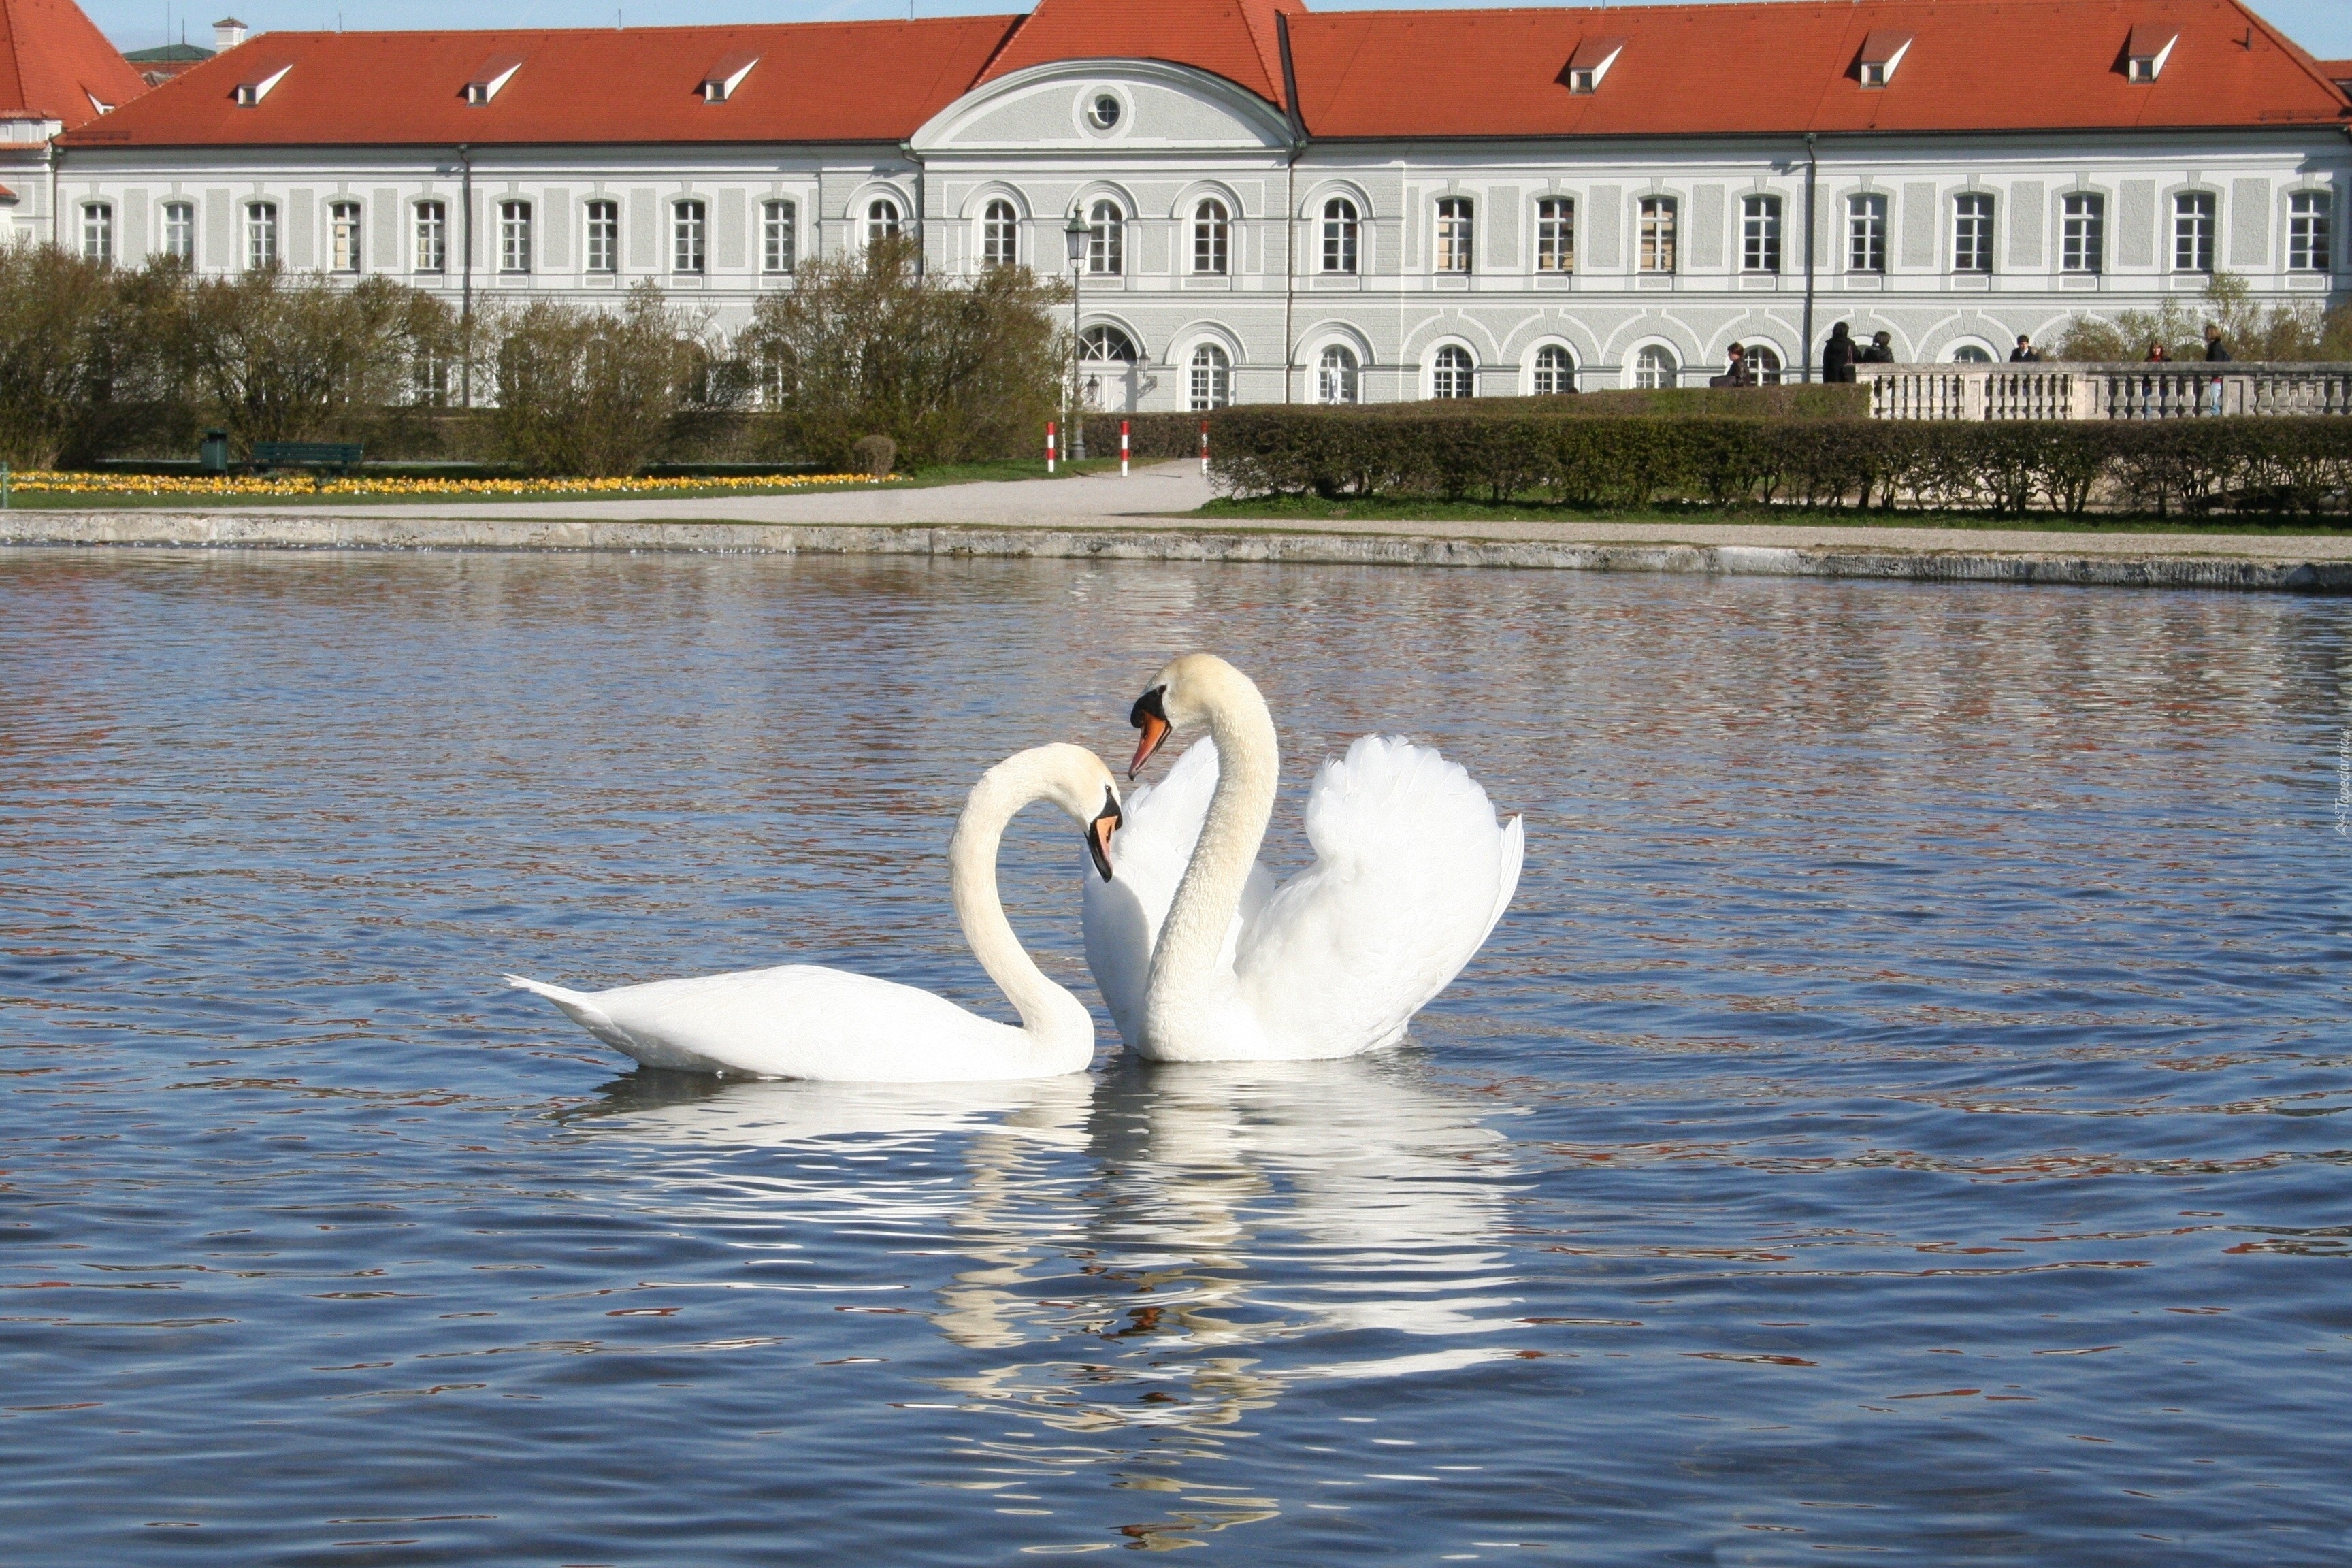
column 1212, row 378
column 1456, row 234
column 779, row 237
column 1654, row 367
column 883, row 220
column 1340, row 224
column 1555, row 370
column 1000, row 235
column 1451, row 373
column 1764, row 364
column 688, row 227
column 1105, row 354
column 1335, row 376
column 1972, row 353
column 1212, row 233
column 1105, row 239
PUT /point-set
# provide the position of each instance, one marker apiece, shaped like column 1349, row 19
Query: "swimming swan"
column 1411, row 873
column 802, row 1021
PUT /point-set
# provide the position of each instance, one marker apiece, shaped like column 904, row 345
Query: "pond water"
column 1897, row 1119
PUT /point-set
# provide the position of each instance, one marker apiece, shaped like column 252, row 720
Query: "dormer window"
column 1882, row 55
column 250, row 93
column 719, row 82
column 2145, row 51
column 485, row 83
column 1590, row 63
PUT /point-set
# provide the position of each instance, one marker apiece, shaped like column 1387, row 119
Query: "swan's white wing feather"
column 1161, row 823
column 799, row 1021
column 1411, row 871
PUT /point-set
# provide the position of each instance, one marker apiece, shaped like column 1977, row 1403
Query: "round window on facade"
column 1103, row 112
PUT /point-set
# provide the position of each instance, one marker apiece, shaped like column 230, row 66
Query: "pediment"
column 1058, row 108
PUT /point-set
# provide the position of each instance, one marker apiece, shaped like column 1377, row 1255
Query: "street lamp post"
column 1075, row 236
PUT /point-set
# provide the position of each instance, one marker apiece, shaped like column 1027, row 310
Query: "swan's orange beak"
column 1152, row 720
column 1099, row 834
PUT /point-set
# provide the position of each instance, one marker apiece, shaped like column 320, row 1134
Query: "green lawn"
column 919, row 478
column 1301, row 509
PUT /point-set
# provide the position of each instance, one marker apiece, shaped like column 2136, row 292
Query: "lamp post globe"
column 1075, row 236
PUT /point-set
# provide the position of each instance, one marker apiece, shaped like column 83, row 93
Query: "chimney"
column 227, row 33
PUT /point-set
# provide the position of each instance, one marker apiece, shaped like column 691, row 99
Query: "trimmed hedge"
column 2300, row 466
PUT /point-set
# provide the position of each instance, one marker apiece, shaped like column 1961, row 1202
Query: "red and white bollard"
column 1122, row 448
column 1049, row 445
column 1205, row 448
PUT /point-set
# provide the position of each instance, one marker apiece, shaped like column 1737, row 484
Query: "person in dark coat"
column 1880, row 349
column 2216, row 351
column 1736, row 374
column 1837, row 356
column 2023, row 352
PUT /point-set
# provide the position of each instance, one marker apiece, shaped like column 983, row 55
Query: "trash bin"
column 213, row 455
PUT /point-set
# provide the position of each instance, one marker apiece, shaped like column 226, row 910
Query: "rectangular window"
column 2192, row 232
column 1454, row 235
column 686, row 224
column 1657, row 234
column 431, row 237
column 2309, row 232
column 1760, row 233
column 1972, row 232
column 344, row 237
column 97, row 234
column 2083, row 233
column 605, row 236
column 1556, row 235
column 514, row 236
column 260, row 235
column 180, row 232
column 1866, row 227
column 779, row 241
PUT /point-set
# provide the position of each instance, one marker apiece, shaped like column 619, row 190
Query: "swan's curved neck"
column 1055, row 1020
column 1249, row 767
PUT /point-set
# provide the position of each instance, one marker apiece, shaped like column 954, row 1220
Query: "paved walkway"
column 1153, row 499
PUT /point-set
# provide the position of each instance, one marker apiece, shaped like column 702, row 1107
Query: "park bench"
column 315, row 456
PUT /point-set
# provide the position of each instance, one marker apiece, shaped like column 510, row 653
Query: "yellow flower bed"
column 45, row 482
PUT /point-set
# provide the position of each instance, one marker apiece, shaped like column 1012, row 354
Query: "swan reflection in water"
column 1156, row 1251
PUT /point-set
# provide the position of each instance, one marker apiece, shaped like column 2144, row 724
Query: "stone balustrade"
column 2051, row 391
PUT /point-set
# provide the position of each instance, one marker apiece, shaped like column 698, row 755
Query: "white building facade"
column 1235, row 252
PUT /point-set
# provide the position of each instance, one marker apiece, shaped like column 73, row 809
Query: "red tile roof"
column 53, row 62
column 816, row 82
column 1231, row 38
column 2338, row 71
column 1748, row 69
column 1974, row 65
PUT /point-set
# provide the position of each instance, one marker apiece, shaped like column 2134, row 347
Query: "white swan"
column 1160, row 824
column 802, row 1021
column 1411, row 873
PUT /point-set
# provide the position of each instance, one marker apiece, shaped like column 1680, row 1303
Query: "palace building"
column 1277, row 204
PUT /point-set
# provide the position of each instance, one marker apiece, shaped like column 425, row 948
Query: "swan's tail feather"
column 583, row 1010
column 1514, row 844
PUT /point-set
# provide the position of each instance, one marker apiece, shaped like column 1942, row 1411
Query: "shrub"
column 595, row 394
column 2302, row 467
column 85, row 356
column 877, row 455
column 950, row 367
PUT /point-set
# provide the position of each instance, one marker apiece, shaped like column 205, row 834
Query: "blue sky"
column 2323, row 27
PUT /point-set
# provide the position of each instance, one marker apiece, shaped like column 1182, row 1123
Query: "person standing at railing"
column 2216, row 352
column 1880, row 349
column 2157, row 355
column 1837, row 354
column 2023, row 352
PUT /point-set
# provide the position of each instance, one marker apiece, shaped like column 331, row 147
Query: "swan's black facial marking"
column 1149, row 716
column 1099, row 831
